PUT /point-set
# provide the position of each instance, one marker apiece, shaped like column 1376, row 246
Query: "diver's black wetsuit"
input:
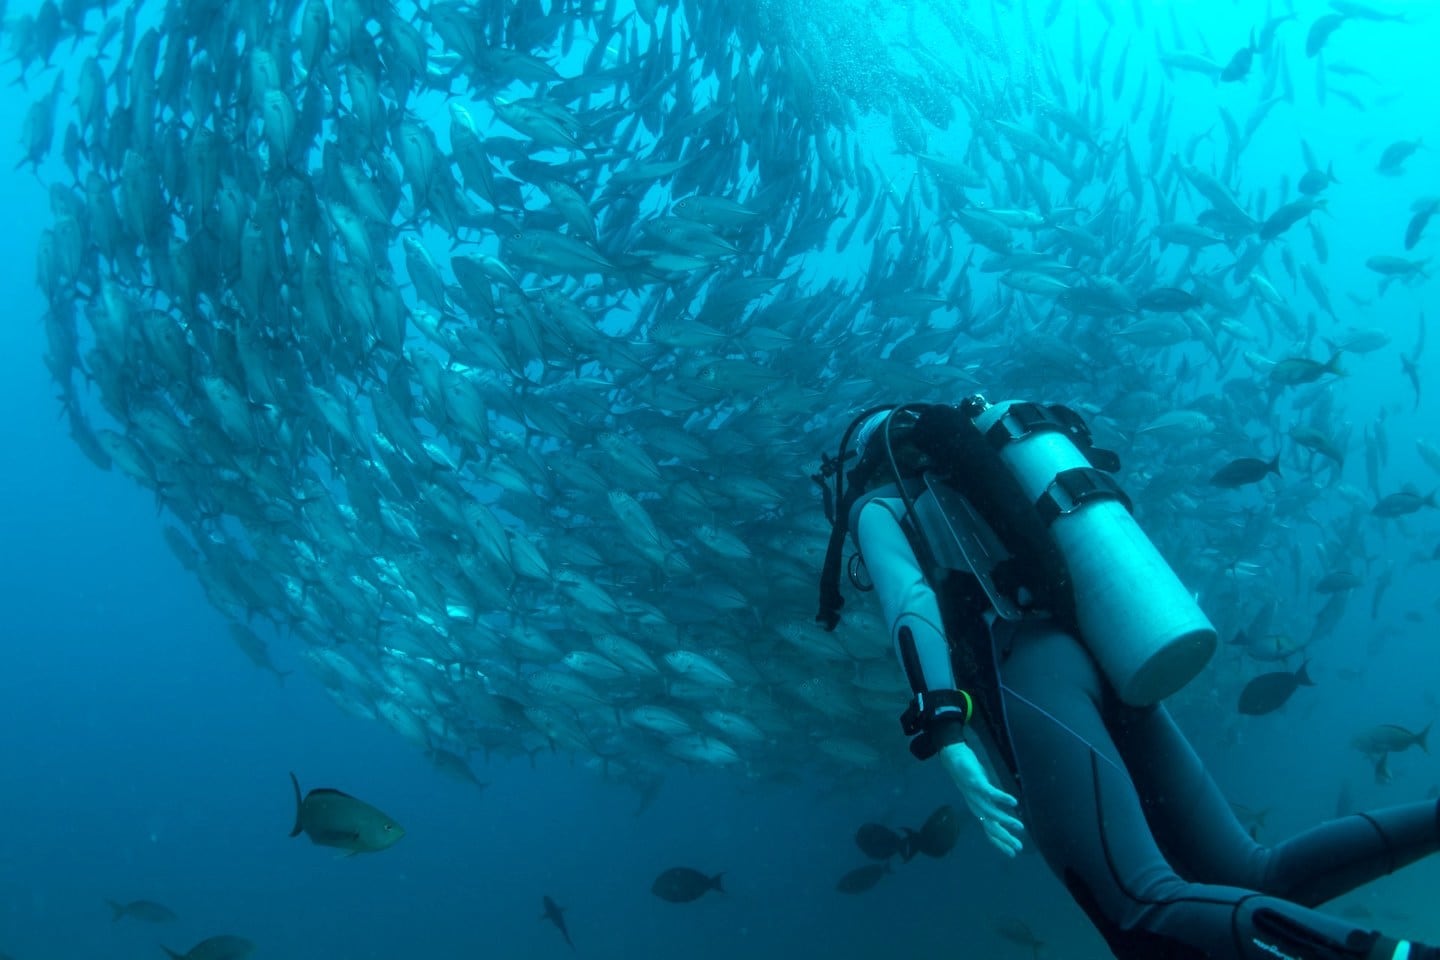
column 1128, row 818
column 1116, row 799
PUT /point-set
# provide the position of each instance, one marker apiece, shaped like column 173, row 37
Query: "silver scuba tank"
column 1136, row 618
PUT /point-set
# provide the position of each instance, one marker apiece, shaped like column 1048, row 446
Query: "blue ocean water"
column 145, row 758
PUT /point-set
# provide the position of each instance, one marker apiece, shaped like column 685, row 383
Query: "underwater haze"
column 423, row 398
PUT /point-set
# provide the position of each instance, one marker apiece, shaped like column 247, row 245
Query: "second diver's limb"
column 1084, row 814
column 1203, row 839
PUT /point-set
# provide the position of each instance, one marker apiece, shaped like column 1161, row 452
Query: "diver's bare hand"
column 992, row 806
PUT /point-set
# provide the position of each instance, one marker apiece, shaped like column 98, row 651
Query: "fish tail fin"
column 1240, row 638
column 1429, row 500
column 119, row 908
column 1330, row 172
column 1423, row 736
column 1302, row 676
column 299, row 827
column 1334, row 365
column 715, row 882
column 1274, row 465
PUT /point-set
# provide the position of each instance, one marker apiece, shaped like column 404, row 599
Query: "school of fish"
column 487, row 350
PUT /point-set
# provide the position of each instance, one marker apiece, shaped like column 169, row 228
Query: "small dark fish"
column 146, row 910
column 1393, row 159
column 1237, row 473
column 1402, row 267
column 1293, row 371
column 455, row 767
column 1316, row 442
column 556, row 915
column 1424, row 210
column 1268, row 647
column 862, row 878
column 1363, row 11
column 334, row 819
column 1269, row 691
column 1168, row 300
column 1290, row 214
column 1239, row 66
column 1403, row 503
column 1411, row 369
column 1392, row 738
column 1356, row 340
column 223, row 947
column 879, row 842
column 1338, row 581
column 1316, row 180
column 937, row 837
column 1320, row 32
column 1018, row 932
column 682, row 885
column 649, row 792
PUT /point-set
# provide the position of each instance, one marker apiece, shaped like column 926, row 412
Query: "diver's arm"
column 912, row 615
column 938, row 715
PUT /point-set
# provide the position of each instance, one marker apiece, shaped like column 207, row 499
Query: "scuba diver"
column 1036, row 623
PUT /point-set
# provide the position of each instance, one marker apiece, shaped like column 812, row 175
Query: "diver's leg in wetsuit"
column 1086, row 817
column 1199, row 833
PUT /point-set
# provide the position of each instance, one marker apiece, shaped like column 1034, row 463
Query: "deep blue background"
column 142, row 756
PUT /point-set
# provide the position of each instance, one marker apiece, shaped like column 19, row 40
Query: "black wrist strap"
column 936, row 719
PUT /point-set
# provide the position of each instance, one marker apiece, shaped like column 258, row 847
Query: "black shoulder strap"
column 1079, row 433
column 831, row 600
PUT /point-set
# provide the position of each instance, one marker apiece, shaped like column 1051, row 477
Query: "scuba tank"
column 1136, row 618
